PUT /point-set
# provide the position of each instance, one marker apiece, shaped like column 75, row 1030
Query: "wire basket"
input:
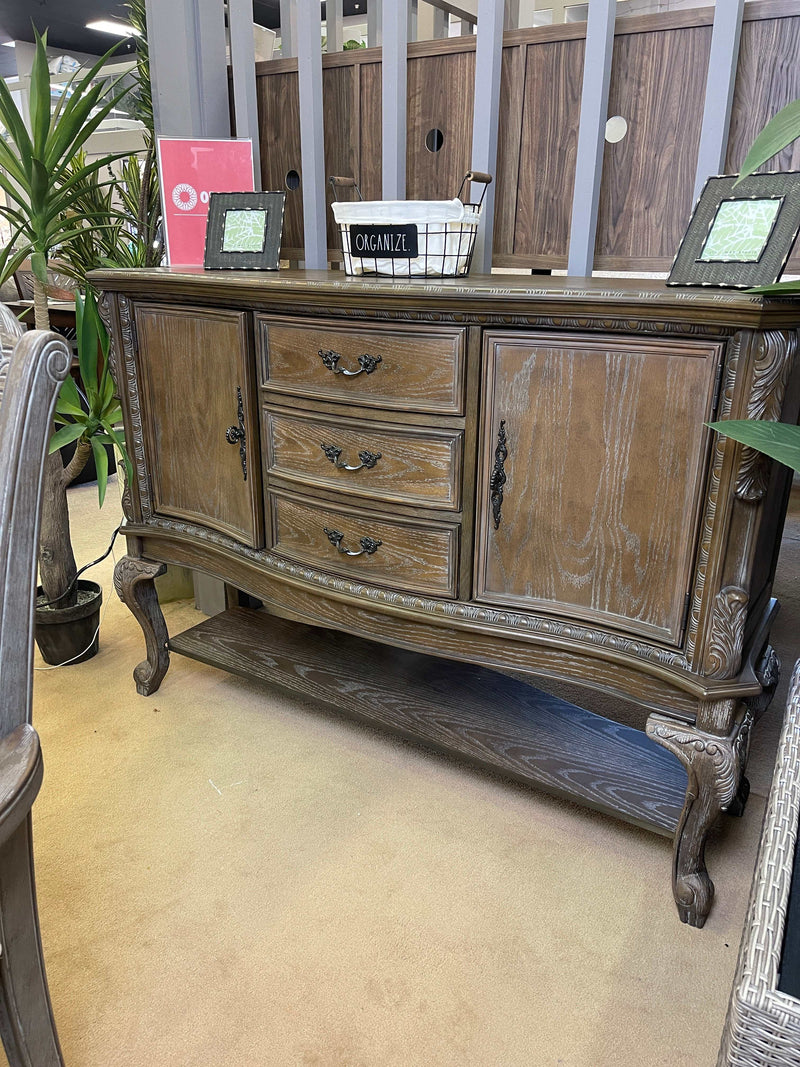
column 408, row 238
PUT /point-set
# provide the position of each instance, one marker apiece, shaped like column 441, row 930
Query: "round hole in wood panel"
column 292, row 179
column 434, row 139
column 616, row 128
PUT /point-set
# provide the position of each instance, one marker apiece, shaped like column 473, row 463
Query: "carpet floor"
column 227, row 875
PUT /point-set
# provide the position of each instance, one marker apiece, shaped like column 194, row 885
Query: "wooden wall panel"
column 340, row 95
column 658, row 83
column 551, row 109
column 509, row 131
column 440, row 91
column 757, row 98
column 279, row 133
column 370, row 167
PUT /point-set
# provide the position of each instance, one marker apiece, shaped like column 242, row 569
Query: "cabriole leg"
column 715, row 768
column 134, row 581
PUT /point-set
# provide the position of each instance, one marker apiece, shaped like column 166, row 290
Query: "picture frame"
column 740, row 235
column 243, row 231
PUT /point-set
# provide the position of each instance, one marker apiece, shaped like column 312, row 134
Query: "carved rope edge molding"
column 447, row 608
column 136, row 447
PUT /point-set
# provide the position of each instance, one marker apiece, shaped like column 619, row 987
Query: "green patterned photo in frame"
column 740, row 230
column 244, row 231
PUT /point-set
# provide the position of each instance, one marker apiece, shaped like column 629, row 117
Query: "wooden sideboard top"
column 476, row 295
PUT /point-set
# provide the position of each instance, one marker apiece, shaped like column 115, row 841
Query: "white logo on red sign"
column 184, row 197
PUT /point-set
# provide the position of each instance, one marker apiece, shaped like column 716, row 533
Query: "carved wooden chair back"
column 29, row 382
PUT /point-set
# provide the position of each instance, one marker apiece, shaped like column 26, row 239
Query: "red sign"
column 190, row 170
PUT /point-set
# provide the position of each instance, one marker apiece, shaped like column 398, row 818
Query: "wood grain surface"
column 196, row 474
column 658, row 84
column 421, row 368
column 485, row 717
column 606, row 459
column 416, row 466
column 413, row 555
column 438, row 88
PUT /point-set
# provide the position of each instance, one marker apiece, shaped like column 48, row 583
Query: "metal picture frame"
column 740, row 236
column 243, row 231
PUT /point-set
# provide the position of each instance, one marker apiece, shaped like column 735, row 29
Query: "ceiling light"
column 9, row 44
column 119, row 29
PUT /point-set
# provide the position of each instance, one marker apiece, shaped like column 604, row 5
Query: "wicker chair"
column 763, row 1024
column 29, row 383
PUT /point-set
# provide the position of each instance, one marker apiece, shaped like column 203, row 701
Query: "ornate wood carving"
column 724, row 653
column 135, row 438
column 715, row 768
column 768, row 673
column 772, row 365
column 135, row 586
column 734, row 353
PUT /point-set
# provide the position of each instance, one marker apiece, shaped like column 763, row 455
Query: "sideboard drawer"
column 406, row 465
column 421, row 557
column 405, row 367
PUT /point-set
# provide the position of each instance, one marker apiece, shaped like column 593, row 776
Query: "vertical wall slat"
column 722, row 64
column 485, row 119
column 591, row 135
column 188, row 70
column 334, row 24
column 309, row 73
column 374, row 23
column 288, row 28
column 243, row 70
column 394, row 89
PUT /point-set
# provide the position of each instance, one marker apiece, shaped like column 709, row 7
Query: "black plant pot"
column 70, row 635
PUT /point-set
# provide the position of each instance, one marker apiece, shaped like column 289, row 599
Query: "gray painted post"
column 188, row 69
column 485, row 118
column 413, row 20
column 374, row 23
column 441, row 24
column 288, row 28
column 243, row 68
column 334, row 24
column 591, row 135
column 722, row 62
column 512, row 15
column 309, row 76
column 393, row 71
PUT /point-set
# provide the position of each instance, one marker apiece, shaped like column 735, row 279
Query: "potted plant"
column 778, row 440
column 43, row 187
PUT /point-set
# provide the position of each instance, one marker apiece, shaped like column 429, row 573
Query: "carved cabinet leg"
column 715, row 766
column 134, row 582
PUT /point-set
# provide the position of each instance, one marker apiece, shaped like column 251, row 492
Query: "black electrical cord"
column 71, row 586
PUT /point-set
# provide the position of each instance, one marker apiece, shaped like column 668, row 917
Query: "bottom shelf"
column 470, row 711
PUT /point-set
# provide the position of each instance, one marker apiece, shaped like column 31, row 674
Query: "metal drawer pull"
column 497, row 479
column 334, row 453
column 366, row 363
column 235, row 435
column 368, row 545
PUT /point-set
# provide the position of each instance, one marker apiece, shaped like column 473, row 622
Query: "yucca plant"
column 778, row 440
column 43, row 190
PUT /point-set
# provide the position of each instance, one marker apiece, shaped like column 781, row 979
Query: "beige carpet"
column 227, row 876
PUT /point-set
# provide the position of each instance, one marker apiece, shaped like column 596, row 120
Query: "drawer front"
column 413, row 368
column 367, row 459
column 418, row 557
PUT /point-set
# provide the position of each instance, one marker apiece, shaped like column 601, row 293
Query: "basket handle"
column 476, row 176
column 337, row 183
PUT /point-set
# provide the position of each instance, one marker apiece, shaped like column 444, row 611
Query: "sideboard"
column 435, row 489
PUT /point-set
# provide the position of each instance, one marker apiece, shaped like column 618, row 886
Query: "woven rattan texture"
column 762, row 1028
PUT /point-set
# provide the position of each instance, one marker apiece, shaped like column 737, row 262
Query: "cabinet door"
column 193, row 366
column 606, row 456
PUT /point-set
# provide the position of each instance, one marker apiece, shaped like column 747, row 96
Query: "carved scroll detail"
column 135, row 586
column 724, row 652
column 772, row 366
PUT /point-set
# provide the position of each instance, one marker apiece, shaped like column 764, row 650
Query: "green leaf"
column 39, row 97
column 39, row 267
column 69, row 393
column 779, row 440
column 777, row 288
column 119, row 441
column 63, row 436
column 779, row 132
column 101, row 466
